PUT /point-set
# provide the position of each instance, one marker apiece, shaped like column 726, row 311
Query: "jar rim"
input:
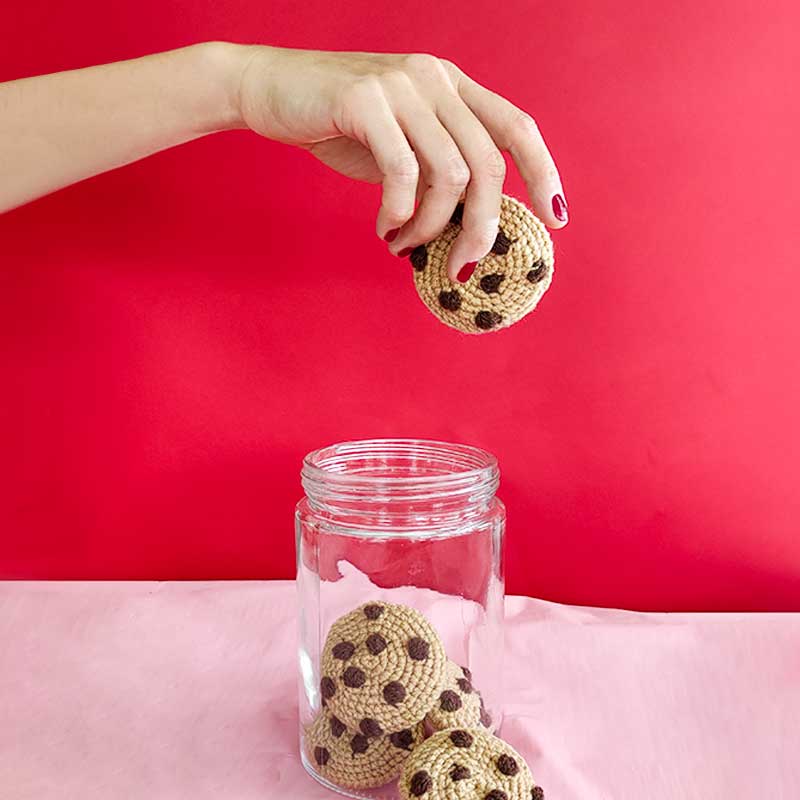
column 469, row 463
column 400, row 487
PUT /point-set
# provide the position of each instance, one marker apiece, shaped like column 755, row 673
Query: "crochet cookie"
column 352, row 759
column 459, row 705
column 382, row 668
column 506, row 285
column 467, row 764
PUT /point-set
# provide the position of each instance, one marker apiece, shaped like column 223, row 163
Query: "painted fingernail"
column 406, row 251
column 391, row 235
column 466, row 271
column 559, row 207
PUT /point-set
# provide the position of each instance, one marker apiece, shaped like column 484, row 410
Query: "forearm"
column 58, row 129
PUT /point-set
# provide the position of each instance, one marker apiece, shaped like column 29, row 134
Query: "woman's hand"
column 415, row 123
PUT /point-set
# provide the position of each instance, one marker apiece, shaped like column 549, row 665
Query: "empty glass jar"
column 400, row 588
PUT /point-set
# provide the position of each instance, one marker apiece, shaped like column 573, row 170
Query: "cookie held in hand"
column 507, row 283
column 465, row 763
column 382, row 668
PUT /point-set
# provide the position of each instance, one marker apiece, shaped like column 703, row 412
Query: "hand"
column 415, row 123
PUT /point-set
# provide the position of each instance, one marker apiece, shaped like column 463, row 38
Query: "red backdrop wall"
column 177, row 334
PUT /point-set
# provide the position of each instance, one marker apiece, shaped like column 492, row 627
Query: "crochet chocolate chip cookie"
column 467, row 764
column 506, row 285
column 349, row 758
column 459, row 705
column 382, row 668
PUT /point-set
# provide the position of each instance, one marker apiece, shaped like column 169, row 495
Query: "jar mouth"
column 399, row 469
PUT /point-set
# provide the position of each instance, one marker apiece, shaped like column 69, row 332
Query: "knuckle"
column 455, row 172
column 404, row 168
column 396, row 79
column 457, row 177
column 450, row 66
column 523, row 124
column 425, row 65
column 494, row 165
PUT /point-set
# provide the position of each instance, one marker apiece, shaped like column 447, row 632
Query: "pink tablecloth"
column 169, row 691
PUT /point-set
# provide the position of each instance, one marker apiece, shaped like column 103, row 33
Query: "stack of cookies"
column 386, row 686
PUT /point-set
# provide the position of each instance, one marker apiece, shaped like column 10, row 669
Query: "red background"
column 178, row 333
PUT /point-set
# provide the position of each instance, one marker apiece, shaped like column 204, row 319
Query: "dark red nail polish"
column 466, row 271
column 406, row 251
column 559, row 207
column 391, row 235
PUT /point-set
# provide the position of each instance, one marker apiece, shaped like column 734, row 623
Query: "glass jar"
column 405, row 537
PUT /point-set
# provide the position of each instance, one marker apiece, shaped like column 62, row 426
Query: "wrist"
column 222, row 65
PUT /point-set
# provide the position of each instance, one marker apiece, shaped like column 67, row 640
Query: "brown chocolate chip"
column 464, row 685
column 537, row 793
column 359, row 744
column 458, row 215
column 376, row 643
column 353, row 677
column 403, row 740
column 467, row 673
column 536, row 272
column 502, row 243
column 418, row 649
column 394, row 692
column 337, row 727
column 491, row 283
column 327, row 687
column 461, row 738
column 420, row 783
column 459, row 773
column 451, row 301
column 419, row 257
column 486, row 320
column 373, row 611
column 370, row 727
column 343, row 650
column 507, row 764
column 449, row 700
column 496, row 794
column 321, row 756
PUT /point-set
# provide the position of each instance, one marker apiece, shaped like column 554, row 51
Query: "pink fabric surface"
column 170, row 691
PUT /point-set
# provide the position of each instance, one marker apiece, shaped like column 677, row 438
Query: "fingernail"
column 406, row 251
column 559, row 207
column 466, row 271
column 391, row 235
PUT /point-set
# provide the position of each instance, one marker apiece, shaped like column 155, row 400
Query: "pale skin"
column 415, row 123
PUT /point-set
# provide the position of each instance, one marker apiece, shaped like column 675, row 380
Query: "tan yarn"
column 350, row 759
column 459, row 704
column 382, row 668
column 467, row 764
column 507, row 284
